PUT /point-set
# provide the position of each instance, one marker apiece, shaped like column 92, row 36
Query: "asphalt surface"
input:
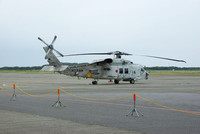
column 36, row 115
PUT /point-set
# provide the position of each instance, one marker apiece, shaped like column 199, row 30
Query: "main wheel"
column 132, row 81
column 94, row 82
column 116, row 81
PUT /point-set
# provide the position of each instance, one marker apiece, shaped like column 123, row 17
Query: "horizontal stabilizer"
column 52, row 68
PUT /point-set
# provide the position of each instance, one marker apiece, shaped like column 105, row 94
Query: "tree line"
column 72, row 64
column 22, row 68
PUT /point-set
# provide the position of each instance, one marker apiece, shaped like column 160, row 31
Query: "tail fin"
column 50, row 56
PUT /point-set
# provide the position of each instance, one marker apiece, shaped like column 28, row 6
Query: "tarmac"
column 28, row 114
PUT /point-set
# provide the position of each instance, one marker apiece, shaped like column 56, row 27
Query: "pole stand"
column 134, row 108
column 58, row 102
column 136, row 112
column 14, row 96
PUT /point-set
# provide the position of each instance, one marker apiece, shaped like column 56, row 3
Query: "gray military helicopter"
column 116, row 68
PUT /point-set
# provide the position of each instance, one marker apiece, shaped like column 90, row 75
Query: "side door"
column 133, row 72
column 123, row 72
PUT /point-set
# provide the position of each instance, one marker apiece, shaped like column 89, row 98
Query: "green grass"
column 23, row 71
column 173, row 72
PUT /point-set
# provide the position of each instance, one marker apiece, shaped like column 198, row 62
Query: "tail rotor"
column 50, row 56
column 50, row 47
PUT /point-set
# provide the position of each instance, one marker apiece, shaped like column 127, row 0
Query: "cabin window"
column 80, row 70
column 126, row 70
column 121, row 70
column 106, row 69
column 93, row 71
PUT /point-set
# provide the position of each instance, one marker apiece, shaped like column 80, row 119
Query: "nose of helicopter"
column 147, row 75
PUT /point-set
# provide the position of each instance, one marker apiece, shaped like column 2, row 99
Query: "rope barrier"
column 35, row 95
column 95, row 99
column 168, row 107
column 6, row 86
column 103, row 99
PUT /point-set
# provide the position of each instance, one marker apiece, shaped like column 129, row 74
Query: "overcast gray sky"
column 168, row 28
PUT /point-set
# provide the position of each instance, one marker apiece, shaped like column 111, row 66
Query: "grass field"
column 164, row 72
column 151, row 72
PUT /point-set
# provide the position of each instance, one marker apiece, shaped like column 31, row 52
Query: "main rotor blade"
column 89, row 54
column 164, row 58
column 109, row 53
column 58, row 52
column 53, row 40
column 43, row 41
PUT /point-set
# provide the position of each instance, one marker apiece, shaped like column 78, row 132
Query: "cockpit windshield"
column 142, row 70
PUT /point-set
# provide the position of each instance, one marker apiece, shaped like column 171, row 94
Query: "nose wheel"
column 132, row 81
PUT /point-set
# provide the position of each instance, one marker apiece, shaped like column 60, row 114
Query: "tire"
column 94, row 82
column 116, row 81
column 132, row 81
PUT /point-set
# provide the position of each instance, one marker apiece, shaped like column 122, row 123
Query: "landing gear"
column 132, row 81
column 116, row 81
column 94, row 82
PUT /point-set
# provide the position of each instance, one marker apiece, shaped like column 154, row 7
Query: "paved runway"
column 89, row 116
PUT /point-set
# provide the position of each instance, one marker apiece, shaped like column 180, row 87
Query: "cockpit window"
column 142, row 70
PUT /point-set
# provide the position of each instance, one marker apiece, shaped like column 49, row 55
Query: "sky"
column 166, row 28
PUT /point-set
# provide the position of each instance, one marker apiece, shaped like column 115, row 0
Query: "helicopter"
column 115, row 68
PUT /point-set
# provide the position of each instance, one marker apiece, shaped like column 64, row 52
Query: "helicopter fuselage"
column 117, row 69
